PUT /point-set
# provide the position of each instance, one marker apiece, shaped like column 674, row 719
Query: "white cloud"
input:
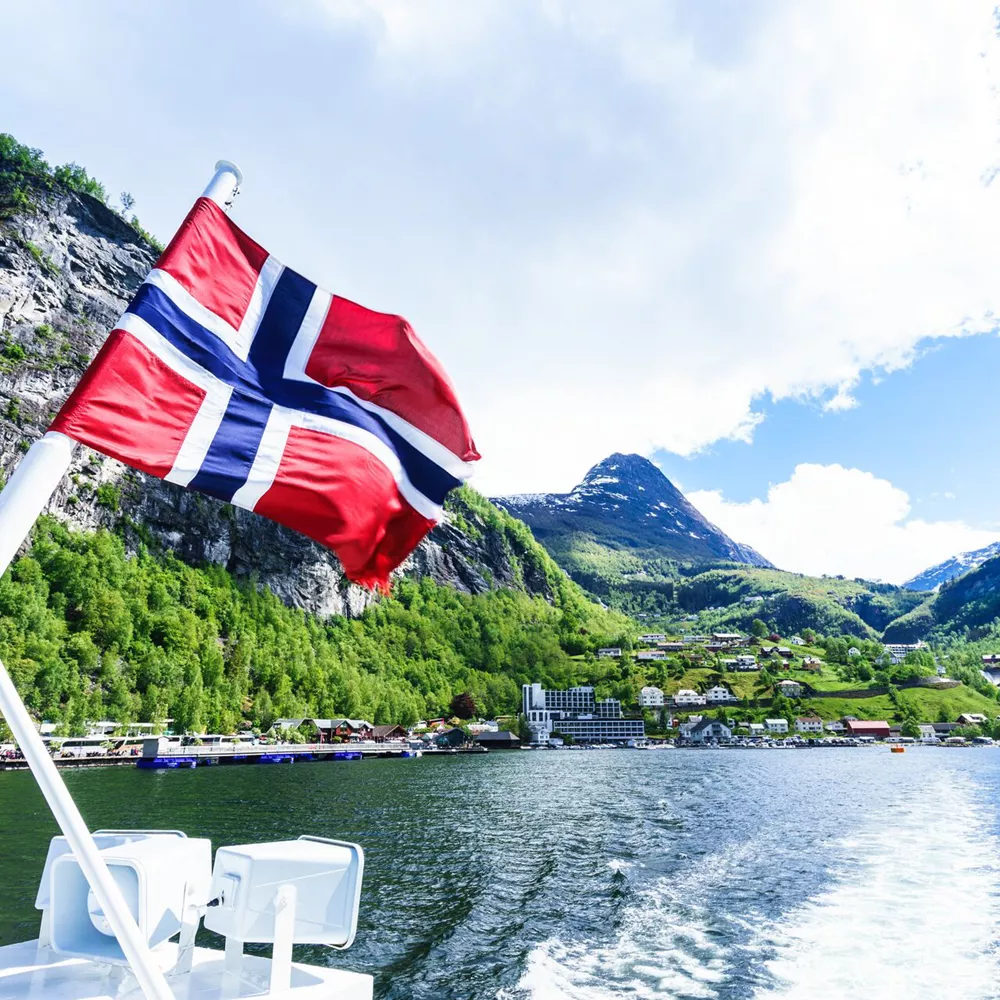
column 828, row 519
column 702, row 205
column 621, row 226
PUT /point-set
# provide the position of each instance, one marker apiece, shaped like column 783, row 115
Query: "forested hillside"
column 140, row 600
column 90, row 632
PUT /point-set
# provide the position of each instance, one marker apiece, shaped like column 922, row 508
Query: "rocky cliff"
column 68, row 267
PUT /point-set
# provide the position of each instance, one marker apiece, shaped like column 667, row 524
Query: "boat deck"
column 28, row 972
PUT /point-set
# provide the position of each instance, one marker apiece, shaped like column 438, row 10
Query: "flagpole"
column 22, row 500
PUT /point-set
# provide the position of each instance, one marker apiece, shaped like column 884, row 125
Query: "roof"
column 808, row 718
column 706, row 724
column 385, row 730
column 880, row 724
column 769, row 721
column 501, row 736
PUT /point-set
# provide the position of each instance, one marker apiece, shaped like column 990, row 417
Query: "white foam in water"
column 662, row 947
column 914, row 913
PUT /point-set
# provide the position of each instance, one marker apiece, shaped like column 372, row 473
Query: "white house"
column 612, row 652
column 797, row 640
column 809, row 724
column 790, row 689
column 927, row 733
column 685, row 727
column 971, row 719
column 688, row 697
column 652, row 637
column 835, row 727
column 854, row 651
column 651, row 697
column 756, row 728
column 776, row 725
column 651, row 654
column 692, row 640
column 756, row 599
column 710, row 729
column 720, row 695
column 726, row 637
column 746, row 661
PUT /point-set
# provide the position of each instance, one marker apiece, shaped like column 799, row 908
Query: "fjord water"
column 587, row 875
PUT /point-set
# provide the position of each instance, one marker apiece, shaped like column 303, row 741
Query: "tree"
column 759, row 628
column 127, row 202
column 463, row 706
column 910, row 727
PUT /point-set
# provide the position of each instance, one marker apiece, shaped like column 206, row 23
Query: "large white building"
column 652, row 637
column 651, row 697
column 651, row 654
column 688, row 697
column 577, row 713
column 720, row 695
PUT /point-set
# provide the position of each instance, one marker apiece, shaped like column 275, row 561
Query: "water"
column 582, row 876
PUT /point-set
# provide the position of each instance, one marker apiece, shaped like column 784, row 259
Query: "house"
column 670, row 647
column 710, row 729
column 864, row 727
column 684, row 729
column 755, row 599
column 812, row 663
column 834, row 727
column 746, row 661
column 651, row 697
column 503, row 739
column 652, row 637
column 756, row 728
column 382, row 733
column 726, row 637
column 776, row 725
column 688, row 697
column 790, row 689
column 971, row 719
column 609, row 652
column 691, row 640
column 991, row 659
column 944, row 729
column 785, row 652
column 809, row 724
column 720, row 695
column 651, row 654
column 854, row 651
column 897, row 651
column 927, row 732
column 452, row 738
column 797, row 640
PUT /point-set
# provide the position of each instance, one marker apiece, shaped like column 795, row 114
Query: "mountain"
column 966, row 607
column 138, row 598
column 931, row 579
column 626, row 502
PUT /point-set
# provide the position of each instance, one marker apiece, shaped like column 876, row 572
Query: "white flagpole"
column 21, row 502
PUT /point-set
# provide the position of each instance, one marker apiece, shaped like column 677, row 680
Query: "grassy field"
column 930, row 705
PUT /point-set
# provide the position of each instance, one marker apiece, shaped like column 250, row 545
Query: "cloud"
column 622, row 226
column 702, row 208
column 828, row 519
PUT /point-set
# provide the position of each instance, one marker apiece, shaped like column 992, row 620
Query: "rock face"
column 933, row 578
column 68, row 267
column 627, row 502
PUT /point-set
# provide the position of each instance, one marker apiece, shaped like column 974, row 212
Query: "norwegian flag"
column 233, row 375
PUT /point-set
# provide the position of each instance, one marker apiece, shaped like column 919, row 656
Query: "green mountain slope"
column 90, row 632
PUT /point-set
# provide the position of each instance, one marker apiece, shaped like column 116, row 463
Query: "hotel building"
column 577, row 713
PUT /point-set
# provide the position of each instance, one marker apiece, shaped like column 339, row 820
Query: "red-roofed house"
column 865, row 727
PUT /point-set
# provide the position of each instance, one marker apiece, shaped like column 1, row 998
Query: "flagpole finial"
column 225, row 185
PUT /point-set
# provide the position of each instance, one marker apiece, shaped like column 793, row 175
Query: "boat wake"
column 913, row 910
column 666, row 943
column 907, row 907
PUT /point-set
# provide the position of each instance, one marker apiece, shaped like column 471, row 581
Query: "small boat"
column 897, row 749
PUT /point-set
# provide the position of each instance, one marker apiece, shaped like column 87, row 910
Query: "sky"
column 755, row 240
